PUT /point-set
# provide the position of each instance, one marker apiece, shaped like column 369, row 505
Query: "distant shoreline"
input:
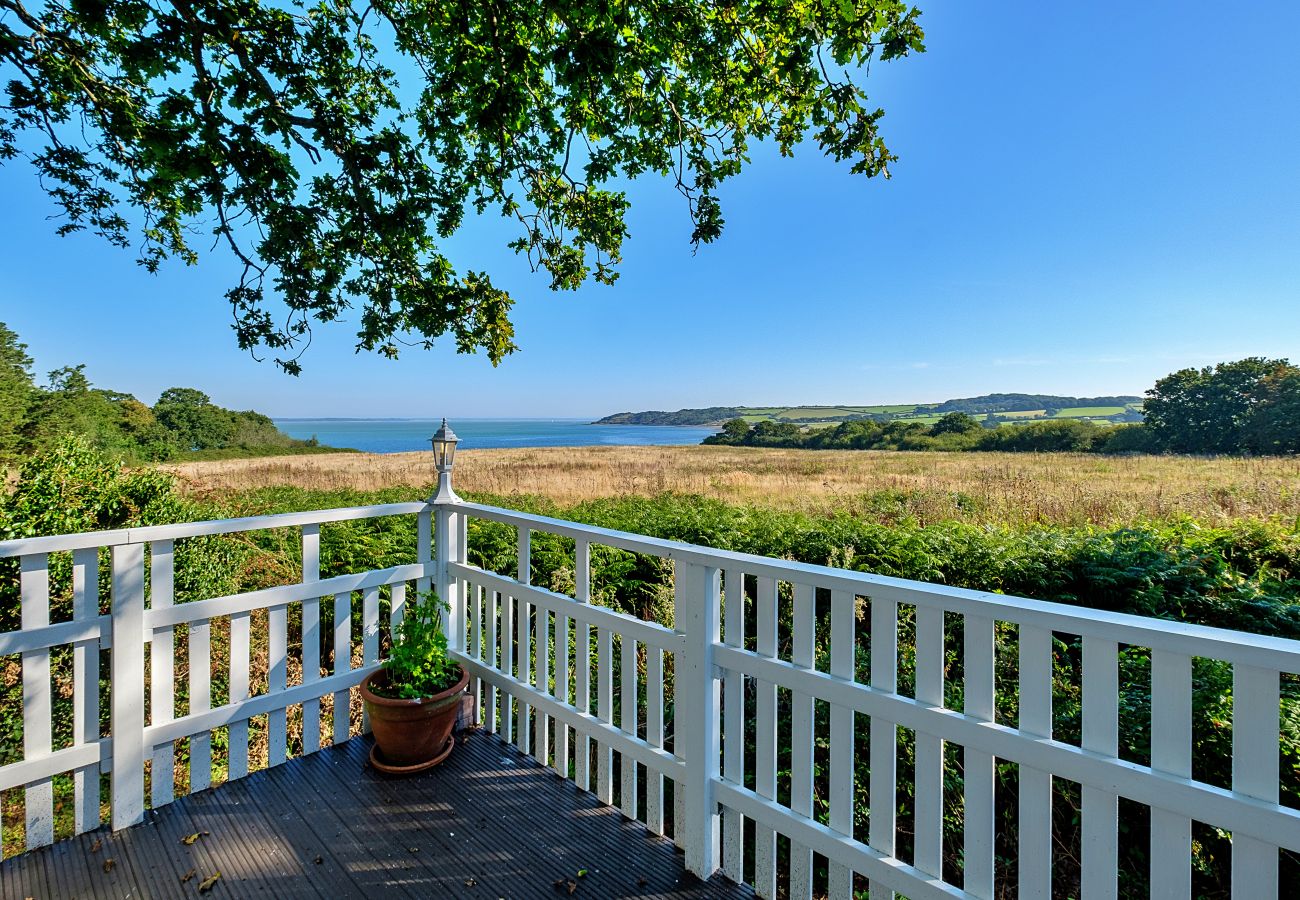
column 584, row 419
column 399, row 435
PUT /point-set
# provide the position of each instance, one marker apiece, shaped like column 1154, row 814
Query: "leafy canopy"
column 1249, row 405
column 34, row 419
column 282, row 130
column 16, row 387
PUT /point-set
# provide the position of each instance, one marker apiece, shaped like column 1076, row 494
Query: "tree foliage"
column 1250, row 405
column 34, row 419
column 955, row 431
column 16, row 388
column 284, row 130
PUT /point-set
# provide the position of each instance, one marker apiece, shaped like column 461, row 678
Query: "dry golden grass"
column 977, row 487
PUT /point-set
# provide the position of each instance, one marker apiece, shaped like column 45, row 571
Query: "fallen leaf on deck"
column 582, row 873
column 208, row 883
column 470, row 882
column 108, row 864
column 94, row 848
column 188, row 875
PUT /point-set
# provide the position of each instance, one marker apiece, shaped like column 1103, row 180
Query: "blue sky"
column 1089, row 196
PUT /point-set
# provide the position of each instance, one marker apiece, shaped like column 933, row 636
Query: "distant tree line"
column 682, row 417
column 183, row 421
column 997, row 403
column 1248, row 407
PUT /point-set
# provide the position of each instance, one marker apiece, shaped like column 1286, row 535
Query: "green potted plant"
column 414, row 699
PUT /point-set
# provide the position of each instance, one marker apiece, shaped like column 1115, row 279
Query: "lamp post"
column 448, row 536
column 444, row 457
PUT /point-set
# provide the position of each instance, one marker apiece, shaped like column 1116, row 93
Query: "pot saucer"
column 377, row 761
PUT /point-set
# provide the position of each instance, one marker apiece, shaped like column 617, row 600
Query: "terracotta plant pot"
column 411, row 735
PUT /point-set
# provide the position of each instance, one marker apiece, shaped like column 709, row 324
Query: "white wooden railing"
column 143, row 732
column 675, row 756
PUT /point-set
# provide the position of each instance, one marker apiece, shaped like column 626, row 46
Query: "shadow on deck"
column 489, row 823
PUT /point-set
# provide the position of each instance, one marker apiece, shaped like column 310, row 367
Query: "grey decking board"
column 320, row 776
column 490, row 815
column 308, row 836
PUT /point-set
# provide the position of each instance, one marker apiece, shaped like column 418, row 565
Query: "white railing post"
column 128, row 685
column 697, row 608
column 447, row 548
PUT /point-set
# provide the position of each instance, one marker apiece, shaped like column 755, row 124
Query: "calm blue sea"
column 398, row 435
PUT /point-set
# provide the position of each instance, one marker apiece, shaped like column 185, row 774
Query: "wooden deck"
column 489, row 823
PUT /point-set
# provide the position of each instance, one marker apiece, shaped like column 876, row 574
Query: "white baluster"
column 34, row 581
column 654, row 735
column 85, row 687
column 1035, row 822
column 237, row 733
column 277, row 642
column 884, row 735
column 162, row 673
column 311, row 638
column 929, row 747
column 765, row 741
column 843, row 665
column 977, row 767
column 733, row 728
column 1100, row 842
column 342, row 664
column 801, row 739
column 369, row 638
column 605, row 711
column 128, row 685
column 1255, row 756
column 628, row 721
column 493, row 614
column 200, row 702
column 1171, row 752
column 582, row 663
column 561, row 692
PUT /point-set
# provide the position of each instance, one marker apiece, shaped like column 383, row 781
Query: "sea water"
column 398, row 435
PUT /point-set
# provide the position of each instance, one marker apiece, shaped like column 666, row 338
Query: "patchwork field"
column 1010, row 488
column 1078, row 412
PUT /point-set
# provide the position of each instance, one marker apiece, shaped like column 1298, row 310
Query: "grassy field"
column 1023, row 414
column 1010, row 488
column 809, row 412
column 1078, row 412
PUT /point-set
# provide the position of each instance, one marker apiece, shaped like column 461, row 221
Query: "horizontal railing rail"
column 753, row 722
column 149, row 533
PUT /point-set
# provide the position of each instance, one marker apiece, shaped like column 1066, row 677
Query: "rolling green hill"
column 1001, row 407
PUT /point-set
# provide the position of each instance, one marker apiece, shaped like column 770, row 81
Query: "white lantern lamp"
column 444, row 457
